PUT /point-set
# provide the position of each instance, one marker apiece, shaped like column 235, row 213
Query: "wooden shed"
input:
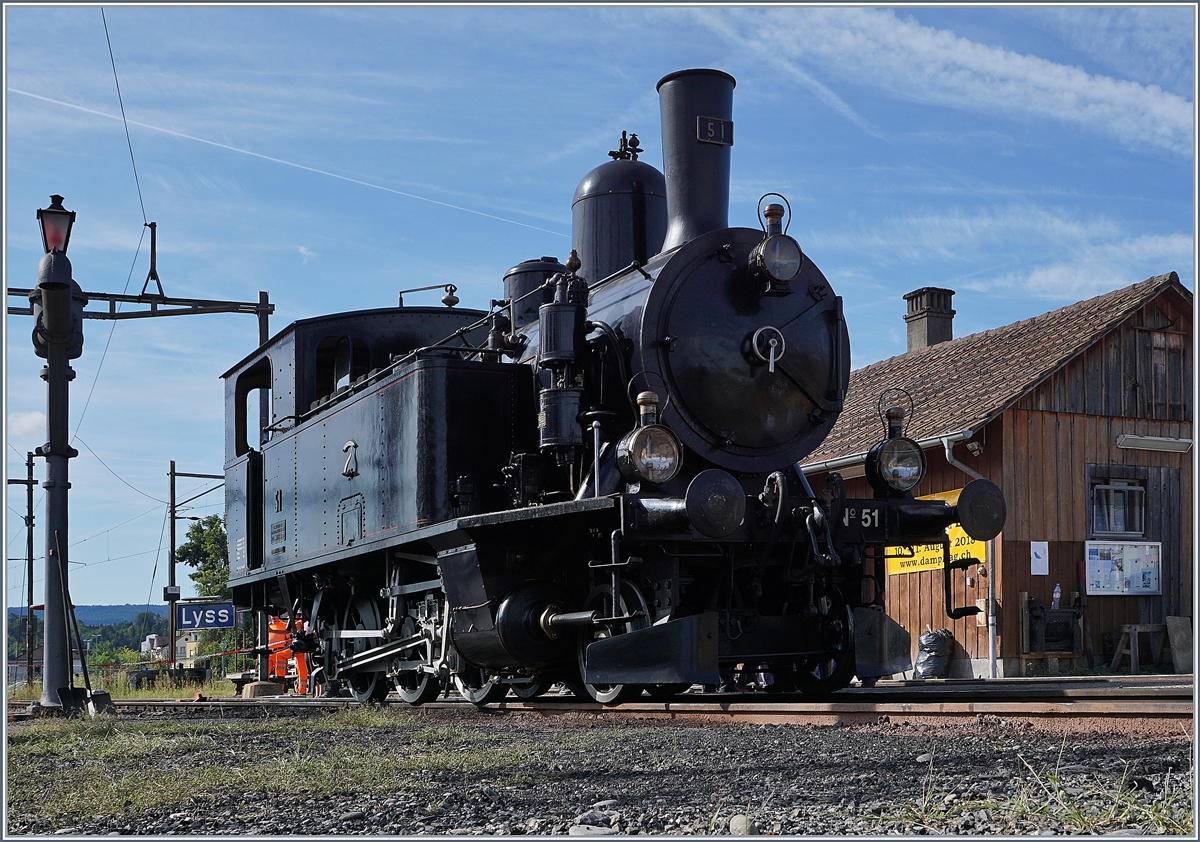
column 1082, row 416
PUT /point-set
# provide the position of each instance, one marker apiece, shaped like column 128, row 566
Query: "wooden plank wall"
column 1141, row 369
column 1048, row 455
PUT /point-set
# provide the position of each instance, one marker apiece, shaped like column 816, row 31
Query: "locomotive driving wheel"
column 665, row 692
column 476, row 685
column 531, row 690
column 629, row 600
column 415, row 686
column 361, row 614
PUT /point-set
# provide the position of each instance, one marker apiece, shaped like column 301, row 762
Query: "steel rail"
column 1126, row 703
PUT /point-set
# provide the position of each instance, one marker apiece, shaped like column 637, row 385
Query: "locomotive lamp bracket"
column 895, row 424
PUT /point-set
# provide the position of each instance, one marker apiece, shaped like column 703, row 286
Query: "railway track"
column 1121, row 703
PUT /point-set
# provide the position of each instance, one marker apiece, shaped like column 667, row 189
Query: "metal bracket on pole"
column 156, row 305
column 153, row 276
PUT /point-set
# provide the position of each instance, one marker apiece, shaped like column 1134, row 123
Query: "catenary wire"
column 115, row 474
column 107, row 342
column 174, row 133
column 123, row 119
column 112, row 328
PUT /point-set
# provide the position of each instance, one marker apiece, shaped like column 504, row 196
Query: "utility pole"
column 172, row 591
column 29, row 482
column 264, row 421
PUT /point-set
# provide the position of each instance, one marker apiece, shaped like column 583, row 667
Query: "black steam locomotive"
column 594, row 481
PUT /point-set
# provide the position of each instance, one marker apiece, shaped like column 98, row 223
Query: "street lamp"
column 55, row 222
column 57, row 304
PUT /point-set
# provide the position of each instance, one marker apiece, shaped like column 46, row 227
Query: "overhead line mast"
column 58, row 306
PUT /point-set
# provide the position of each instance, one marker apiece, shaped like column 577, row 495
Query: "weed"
column 712, row 823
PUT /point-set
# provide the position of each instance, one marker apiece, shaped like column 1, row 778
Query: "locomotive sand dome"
column 619, row 213
column 593, row 481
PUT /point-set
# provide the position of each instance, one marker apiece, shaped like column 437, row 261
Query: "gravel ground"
column 466, row 773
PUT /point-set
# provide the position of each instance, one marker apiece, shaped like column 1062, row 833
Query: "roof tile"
column 965, row 383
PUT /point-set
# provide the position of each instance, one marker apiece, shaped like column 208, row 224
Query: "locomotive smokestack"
column 697, row 131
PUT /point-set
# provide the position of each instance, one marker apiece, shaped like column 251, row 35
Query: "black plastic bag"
column 933, row 659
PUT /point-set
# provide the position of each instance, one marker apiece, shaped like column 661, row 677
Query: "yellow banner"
column 929, row 556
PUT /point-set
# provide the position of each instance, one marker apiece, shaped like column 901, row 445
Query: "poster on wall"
column 1117, row 568
column 1039, row 558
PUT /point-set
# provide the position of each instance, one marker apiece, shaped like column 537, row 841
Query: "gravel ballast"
column 397, row 772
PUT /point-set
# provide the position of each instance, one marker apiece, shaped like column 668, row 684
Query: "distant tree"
column 16, row 636
column 206, row 551
column 108, row 655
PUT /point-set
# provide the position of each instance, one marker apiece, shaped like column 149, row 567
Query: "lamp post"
column 57, row 305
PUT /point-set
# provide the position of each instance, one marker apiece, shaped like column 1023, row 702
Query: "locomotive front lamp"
column 55, row 222
column 897, row 463
column 651, row 453
column 778, row 258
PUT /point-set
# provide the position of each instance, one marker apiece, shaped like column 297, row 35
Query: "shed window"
column 1117, row 508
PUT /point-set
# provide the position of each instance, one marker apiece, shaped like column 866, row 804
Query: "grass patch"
column 1044, row 799
column 117, row 686
column 130, row 767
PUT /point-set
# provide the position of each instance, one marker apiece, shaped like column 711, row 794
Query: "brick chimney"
column 930, row 317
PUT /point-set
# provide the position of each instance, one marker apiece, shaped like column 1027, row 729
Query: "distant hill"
column 103, row 615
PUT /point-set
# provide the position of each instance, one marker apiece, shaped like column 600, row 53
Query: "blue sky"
column 1025, row 157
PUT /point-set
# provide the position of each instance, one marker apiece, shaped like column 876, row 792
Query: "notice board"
column 1123, row 568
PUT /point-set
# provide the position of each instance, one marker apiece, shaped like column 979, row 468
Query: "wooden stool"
column 1128, row 644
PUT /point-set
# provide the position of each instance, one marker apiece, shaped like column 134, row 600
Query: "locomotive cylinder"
column 697, row 131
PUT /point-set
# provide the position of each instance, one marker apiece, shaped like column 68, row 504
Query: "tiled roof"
column 965, row 383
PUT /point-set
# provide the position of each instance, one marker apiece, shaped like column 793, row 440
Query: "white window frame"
column 1117, row 508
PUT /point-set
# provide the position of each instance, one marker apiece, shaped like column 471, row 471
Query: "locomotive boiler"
column 594, row 480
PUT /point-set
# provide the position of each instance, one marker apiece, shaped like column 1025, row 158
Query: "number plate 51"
column 867, row 518
column 714, row 130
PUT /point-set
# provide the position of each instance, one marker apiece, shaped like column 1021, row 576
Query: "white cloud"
column 878, row 49
column 721, row 24
column 1062, row 257
column 26, row 425
column 1150, row 45
column 305, row 254
column 1090, row 269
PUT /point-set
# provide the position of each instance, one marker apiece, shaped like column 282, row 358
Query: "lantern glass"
column 56, row 222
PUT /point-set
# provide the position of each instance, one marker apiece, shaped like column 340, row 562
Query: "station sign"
column 929, row 556
column 204, row 615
